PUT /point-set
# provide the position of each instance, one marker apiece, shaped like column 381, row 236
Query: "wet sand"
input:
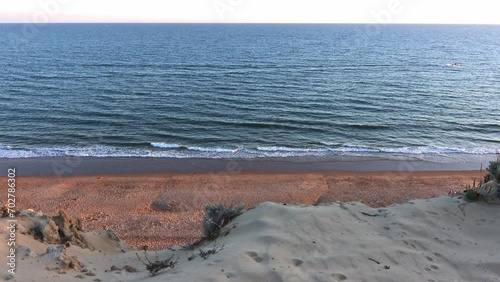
column 71, row 166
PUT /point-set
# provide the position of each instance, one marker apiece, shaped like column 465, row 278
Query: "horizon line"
column 270, row 23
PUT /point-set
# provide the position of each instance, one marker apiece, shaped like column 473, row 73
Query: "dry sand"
column 124, row 203
column 440, row 239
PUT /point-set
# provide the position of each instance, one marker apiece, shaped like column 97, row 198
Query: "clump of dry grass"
column 493, row 171
column 214, row 250
column 218, row 216
column 155, row 266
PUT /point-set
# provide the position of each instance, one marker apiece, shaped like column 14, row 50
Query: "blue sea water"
column 217, row 91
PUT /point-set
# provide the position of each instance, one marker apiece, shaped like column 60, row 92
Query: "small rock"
column 79, row 276
column 90, row 273
column 73, row 263
column 57, row 254
column 46, row 230
column 68, row 227
column 23, row 251
column 130, row 269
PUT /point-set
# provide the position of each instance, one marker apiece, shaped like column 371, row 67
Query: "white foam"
column 438, row 150
column 346, row 148
column 287, row 149
column 165, row 145
column 169, row 150
column 212, row 150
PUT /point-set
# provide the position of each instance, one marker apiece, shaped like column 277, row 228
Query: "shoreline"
column 73, row 166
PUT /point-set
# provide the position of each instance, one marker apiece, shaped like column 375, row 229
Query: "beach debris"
column 375, row 261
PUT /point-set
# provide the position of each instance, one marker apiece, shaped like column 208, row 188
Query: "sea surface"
column 222, row 91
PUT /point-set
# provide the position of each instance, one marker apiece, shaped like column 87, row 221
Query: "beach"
column 387, row 237
column 385, row 221
column 163, row 209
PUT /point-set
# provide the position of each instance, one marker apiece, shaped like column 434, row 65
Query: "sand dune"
column 439, row 239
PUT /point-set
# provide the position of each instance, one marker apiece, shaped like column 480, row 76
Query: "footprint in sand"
column 339, row 277
column 433, row 267
column 254, row 255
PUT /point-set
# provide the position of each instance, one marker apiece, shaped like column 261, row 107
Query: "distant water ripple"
column 244, row 91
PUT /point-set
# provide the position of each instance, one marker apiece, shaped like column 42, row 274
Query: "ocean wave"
column 165, row 145
column 439, row 150
column 287, row 149
column 346, row 148
column 167, row 150
column 212, row 150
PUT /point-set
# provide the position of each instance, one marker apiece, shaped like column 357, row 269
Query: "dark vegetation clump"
column 471, row 195
column 155, row 266
column 494, row 171
column 217, row 216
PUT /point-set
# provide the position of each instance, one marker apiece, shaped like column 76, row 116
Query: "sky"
column 252, row 11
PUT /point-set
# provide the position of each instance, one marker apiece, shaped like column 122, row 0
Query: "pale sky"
column 268, row 11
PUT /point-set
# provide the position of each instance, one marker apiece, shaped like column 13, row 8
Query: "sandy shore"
column 160, row 210
column 439, row 239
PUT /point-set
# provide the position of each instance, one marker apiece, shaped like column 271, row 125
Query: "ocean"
column 429, row 92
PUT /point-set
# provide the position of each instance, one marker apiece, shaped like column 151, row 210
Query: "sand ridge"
column 438, row 239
